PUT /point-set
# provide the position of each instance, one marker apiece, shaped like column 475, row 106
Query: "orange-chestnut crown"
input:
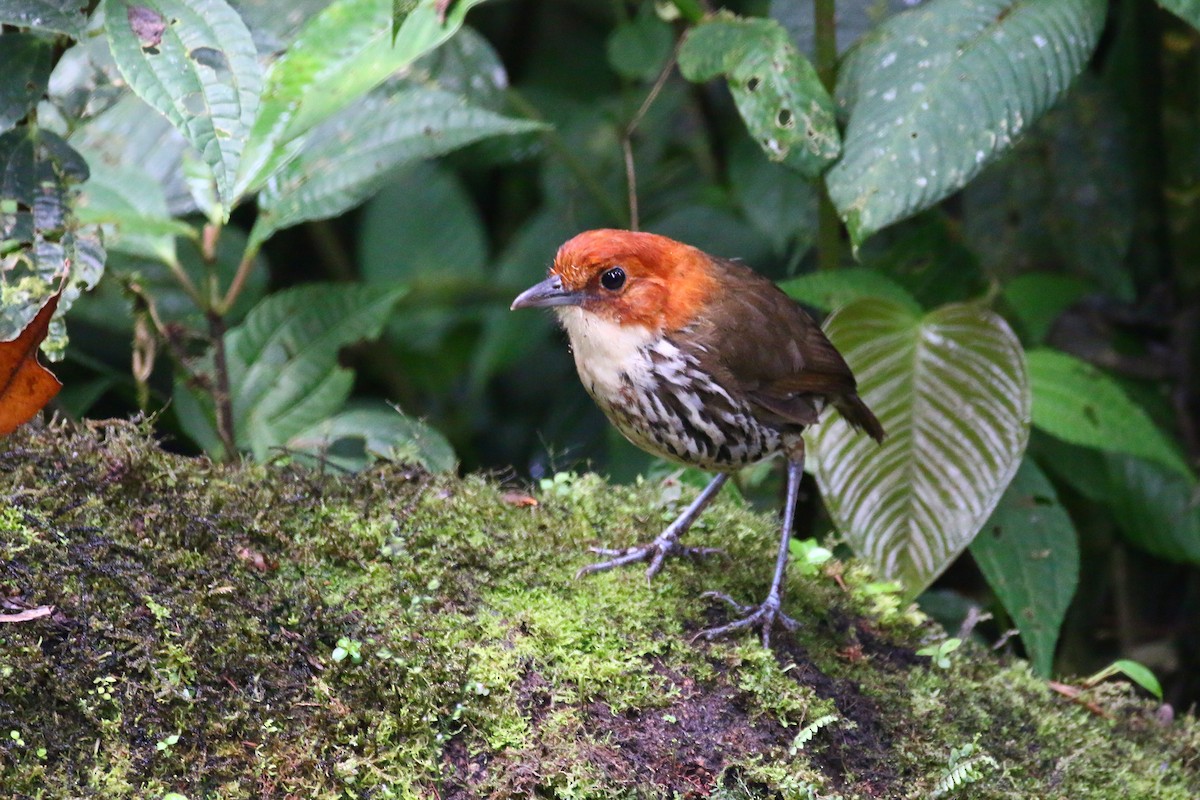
column 627, row 277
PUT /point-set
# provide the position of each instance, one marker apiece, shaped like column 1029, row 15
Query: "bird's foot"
column 762, row 617
column 655, row 552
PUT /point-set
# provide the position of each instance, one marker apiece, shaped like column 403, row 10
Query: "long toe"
column 655, row 552
column 762, row 617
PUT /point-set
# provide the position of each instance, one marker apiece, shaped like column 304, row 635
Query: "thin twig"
column 627, row 134
column 563, row 151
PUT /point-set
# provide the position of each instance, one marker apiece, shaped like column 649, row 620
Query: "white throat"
column 607, row 354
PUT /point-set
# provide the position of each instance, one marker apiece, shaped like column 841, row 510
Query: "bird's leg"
column 667, row 542
column 765, row 615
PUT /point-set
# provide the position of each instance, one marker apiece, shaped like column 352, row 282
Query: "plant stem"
column 222, row 399
column 239, row 281
column 829, row 227
column 563, row 151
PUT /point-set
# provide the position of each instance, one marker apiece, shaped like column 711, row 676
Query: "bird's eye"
column 613, row 280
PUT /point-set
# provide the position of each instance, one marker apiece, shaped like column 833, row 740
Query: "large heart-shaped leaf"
column 194, row 62
column 1029, row 554
column 938, row 92
column 1080, row 404
column 951, row 391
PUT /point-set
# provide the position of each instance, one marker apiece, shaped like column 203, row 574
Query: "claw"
column 655, row 552
column 763, row 616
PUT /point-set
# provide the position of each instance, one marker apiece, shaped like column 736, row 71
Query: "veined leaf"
column 283, row 360
column 951, row 391
column 776, row 89
column 342, row 53
column 1029, row 554
column 194, row 62
column 1080, row 404
column 130, row 134
column 938, row 92
column 354, row 438
column 1157, row 509
column 827, row 290
column 348, row 158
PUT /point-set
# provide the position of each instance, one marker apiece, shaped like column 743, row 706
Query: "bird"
column 702, row 361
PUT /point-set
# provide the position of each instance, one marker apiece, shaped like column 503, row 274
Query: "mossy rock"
column 274, row 631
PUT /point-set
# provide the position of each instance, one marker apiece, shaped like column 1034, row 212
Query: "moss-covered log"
column 271, row 631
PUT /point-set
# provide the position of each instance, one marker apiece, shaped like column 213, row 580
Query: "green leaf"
column 347, row 159
column 1029, row 554
column 40, row 236
column 1080, row 404
column 194, row 62
column 938, row 92
column 130, row 134
column 283, row 359
column 951, row 391
column 59, row 16
column 1157, row 509
column 25, row 62
column 639, row 47
column 776, row 90
column 133, row 210
column 1186, row 10
column 1039, row 298
column 1136, row 672
column 835, row 288
column 354, row 438
column 780, row 204
column 340, row 55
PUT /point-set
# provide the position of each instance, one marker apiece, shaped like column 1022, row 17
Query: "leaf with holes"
column 1080, row 404
column 1029, row 554
column 937, row 93
column 951, row 391
column 348, row 158
column 194, row 62
column 776, row 90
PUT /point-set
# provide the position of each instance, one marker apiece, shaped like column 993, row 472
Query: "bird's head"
column 627, row 278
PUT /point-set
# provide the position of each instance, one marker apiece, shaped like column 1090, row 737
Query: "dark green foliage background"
column 1086, row 237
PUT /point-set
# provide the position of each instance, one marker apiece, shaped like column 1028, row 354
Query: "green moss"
column 398, row 635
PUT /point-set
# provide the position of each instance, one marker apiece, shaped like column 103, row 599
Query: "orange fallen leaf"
column 25, row 385
column 519, row 499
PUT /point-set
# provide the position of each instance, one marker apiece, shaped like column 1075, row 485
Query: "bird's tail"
column 855, row 411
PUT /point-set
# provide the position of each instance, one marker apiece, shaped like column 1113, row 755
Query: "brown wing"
column 760, row 341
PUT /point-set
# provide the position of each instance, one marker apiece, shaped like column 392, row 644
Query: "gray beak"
column 549, row 292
